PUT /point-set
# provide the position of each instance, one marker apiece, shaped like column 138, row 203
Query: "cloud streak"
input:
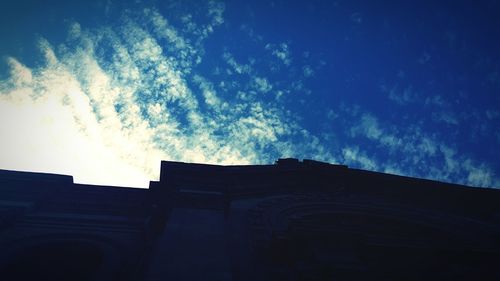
column 410, row 150
column 108, row 104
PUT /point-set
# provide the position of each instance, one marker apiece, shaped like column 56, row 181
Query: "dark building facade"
column 294, row 220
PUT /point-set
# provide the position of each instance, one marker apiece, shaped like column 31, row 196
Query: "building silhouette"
column 294, row 220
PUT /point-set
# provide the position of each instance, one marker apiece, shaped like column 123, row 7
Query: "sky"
column 105, row 90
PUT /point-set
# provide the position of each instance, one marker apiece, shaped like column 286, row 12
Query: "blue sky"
column 104, row 90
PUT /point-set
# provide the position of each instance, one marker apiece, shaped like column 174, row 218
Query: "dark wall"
column 289, row 221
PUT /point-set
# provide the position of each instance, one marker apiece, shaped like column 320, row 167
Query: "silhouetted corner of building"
column 294, row 220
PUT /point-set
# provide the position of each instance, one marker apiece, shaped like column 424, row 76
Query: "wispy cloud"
column 409, row 150
column 281, row 51
column 237, row 67
column 108, row 104
column 354, row 155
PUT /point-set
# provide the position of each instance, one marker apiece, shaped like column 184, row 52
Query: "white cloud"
column 262, row 84
column 479, row 175
column 57, row 132
column 209, row 93
column 237, row 67
column 352, row 155
column 368, row 126
column 111, row 119
column 216, row 11
column 48, row 52
column 281, row 51
column 21, row 75
column 421, row 154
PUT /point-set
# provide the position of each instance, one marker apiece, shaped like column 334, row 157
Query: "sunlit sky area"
column 105, row 90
